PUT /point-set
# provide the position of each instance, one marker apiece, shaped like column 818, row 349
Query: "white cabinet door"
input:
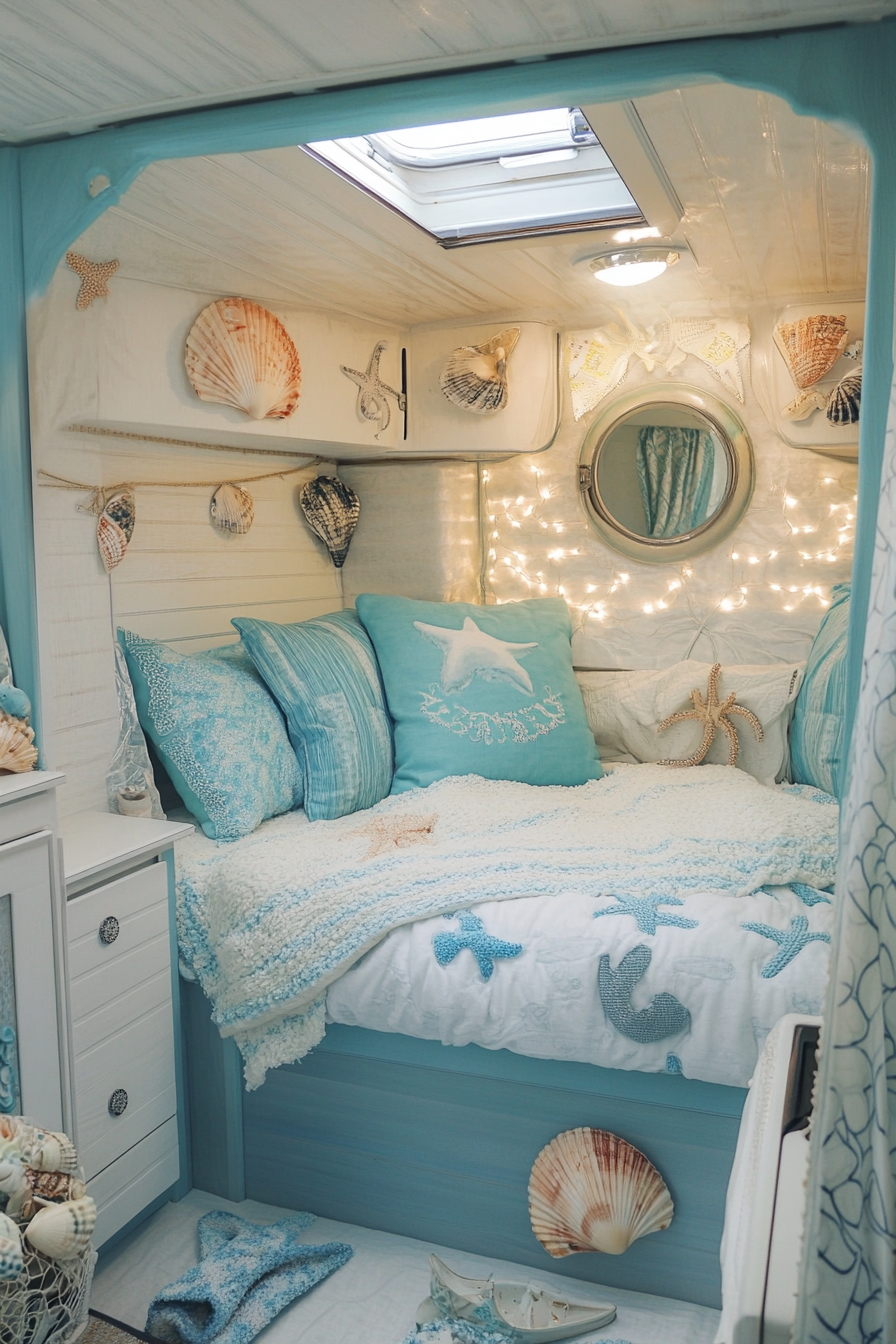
column 26, row 899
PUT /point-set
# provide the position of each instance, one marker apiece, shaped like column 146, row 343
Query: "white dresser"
column 33, row 1058
column 124, row 1023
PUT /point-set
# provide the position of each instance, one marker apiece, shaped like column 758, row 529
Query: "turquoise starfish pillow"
column 481, row 691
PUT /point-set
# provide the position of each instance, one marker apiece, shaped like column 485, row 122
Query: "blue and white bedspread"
column 621, row 923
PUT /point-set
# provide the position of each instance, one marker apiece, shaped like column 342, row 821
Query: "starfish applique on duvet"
column 389, row 833
column 664, row 1015
column 791, row 942
column 713, row 714
column 95, row 277
column 472, row 936
column 644, row 911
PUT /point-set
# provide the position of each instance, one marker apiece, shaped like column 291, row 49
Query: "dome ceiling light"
column 633, row 266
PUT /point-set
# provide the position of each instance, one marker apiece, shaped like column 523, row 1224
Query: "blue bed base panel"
column 437, row 1142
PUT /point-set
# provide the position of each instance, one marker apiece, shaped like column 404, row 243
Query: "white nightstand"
column 124, row 1012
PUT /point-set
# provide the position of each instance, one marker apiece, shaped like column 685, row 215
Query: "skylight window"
column 464, row 182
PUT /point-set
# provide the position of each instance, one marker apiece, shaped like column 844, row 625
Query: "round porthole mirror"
column 665, row 472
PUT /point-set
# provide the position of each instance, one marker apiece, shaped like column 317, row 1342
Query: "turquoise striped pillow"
column 816, row 734
column 324, row 675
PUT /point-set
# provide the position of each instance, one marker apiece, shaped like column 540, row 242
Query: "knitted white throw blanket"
column 266, row 923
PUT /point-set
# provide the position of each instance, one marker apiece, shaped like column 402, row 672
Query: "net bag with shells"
column 241, row 355
column 592, row 1191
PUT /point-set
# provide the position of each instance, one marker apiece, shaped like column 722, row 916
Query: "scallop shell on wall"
column 62, row 1231
column 241, row 355
column 846, row 400
column 332, row 509
column 475, row 376
column 591, row 1191
column 11, row 1258
column 115, row 527
column 17, row 750
column 811, row 347
column 232, row 508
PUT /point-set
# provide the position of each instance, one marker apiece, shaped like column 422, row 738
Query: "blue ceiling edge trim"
column 840, row 74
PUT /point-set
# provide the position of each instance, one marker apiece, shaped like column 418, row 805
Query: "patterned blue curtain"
column 675, row 468
column 848, row 1283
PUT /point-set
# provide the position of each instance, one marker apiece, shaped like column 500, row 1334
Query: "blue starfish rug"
column 245, row 1277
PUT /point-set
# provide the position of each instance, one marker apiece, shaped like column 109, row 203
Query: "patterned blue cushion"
column 816, row 734
column 324, row 675
column 481, row 691
column 218, row 734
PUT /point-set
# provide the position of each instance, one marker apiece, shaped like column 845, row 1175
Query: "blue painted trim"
column 184, row 1183
column 215, row 1091
column 18, row 591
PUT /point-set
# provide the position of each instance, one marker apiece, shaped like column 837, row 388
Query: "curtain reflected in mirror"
column 675, row 473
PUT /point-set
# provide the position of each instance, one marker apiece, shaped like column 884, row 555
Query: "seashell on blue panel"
column 332, row 509
column 846, row 400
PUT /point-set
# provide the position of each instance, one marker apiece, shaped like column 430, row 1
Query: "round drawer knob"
column 118, row 1102
column 109, row 929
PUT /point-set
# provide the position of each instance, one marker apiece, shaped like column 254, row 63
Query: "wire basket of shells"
column 47, row 1219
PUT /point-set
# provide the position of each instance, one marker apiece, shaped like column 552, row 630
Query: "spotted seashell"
column 475, row 376
column 232, row 508
column 591, row 1191
column 115, row 528
column 50, row 1187
column 332, row 509
column 12, row 1261
column 846, row 400
column 239, row 354
column 17, row 750
column 49, row 1151
column 811, row 347
column 62, row 1231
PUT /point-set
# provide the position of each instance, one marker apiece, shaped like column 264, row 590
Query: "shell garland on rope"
column 845, row 402
column 12, row 1260
column 474, row 377
column 17, row 750
column 62, row 1231
column 811, row 346
column 239, row 354
column 591, row 1191
column 232, row 508
column 332, row 509
column 115, row 527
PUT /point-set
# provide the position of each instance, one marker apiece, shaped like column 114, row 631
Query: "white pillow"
column 625, row 708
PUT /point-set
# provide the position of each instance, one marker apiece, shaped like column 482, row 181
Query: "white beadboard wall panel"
column 71, row 65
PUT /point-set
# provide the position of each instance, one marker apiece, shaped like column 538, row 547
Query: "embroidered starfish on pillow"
column 644, row 911
column 95, row 277
column 713, row 714
column 388, row 833
column 472, row 935
column 790, row 942
column 470, row 652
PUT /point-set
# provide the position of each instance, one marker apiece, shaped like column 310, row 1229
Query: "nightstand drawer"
column 105, row 984
column 128, row 1089
column 134, row 1180
column 92, row 1025
column 113, row 920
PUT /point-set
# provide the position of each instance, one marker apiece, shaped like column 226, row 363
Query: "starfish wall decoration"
column 373, row 393
column 713, row 714
column 95, row 277
column 472, row 935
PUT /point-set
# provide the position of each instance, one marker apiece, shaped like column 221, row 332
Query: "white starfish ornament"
column 373, row 393
column 470, row 652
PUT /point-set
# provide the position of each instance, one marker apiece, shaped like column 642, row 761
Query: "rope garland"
column 100, row 494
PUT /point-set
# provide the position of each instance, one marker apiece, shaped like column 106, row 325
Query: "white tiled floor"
column 371, row 1300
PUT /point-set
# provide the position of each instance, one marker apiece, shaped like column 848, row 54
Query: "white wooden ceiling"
column 776, row 207
column 71, row 65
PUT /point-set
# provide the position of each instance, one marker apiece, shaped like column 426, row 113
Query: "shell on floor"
column 12, row 1261
column 811, row 347
column 115, row 527
column 474, row 377
column 332, row 509
column 241, row 355
column 62, row 1231
column 17, row 750
column 592, row 1191
column 845, row 402
column 232, row 508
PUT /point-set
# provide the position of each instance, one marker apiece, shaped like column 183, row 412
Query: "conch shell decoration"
column 115, row 528
column 474, row 377
column 591, row 1191
column 241, row 355
column 332, row 509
